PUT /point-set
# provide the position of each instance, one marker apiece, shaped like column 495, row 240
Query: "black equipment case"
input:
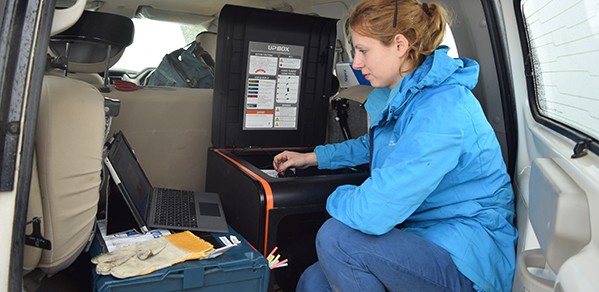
column 273, row 81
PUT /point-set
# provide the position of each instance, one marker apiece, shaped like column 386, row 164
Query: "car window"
column 153, row 39
column 565, row 61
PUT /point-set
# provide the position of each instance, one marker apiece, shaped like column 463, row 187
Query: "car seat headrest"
column 96, row 35
column 67, row 16
column 207, row 40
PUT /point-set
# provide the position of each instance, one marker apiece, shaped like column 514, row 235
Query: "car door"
column 555, row 61
column 23, row 42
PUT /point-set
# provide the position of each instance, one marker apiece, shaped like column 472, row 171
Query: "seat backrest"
column 66, row 177
column 207, row 40
column 69, row 141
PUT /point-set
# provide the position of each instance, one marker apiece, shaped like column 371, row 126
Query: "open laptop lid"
column 128, row 175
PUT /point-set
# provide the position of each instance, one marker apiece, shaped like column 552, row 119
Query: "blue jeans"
column 350, row 260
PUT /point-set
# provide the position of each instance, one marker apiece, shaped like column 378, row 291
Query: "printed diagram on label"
column 260, row 94
column 263, row 65
column 287, row 89
column 272, row 86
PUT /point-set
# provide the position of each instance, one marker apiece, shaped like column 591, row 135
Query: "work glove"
column 148, row 256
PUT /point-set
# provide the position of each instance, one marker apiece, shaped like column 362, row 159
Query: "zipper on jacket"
column 371, row 142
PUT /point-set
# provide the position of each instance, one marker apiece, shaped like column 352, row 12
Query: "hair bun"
column 426, row 9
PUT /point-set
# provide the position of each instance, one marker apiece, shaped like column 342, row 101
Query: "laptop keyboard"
column 175, row 208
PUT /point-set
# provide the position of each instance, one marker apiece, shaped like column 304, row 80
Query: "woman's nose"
column 357, row 64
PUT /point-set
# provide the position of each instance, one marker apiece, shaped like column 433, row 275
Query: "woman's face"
column 380, row 64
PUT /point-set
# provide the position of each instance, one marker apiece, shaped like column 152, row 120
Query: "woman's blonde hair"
column 423, row 24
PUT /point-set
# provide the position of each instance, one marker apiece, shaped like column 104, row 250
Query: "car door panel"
column 559, row 205
column 557, row 197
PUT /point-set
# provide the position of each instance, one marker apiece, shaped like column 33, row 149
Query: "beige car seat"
column 69, row 143
column 208, row 41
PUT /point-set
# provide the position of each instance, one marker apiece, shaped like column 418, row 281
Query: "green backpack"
column 181, row 68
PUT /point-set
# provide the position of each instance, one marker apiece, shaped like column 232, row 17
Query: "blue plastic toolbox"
column 241, row 268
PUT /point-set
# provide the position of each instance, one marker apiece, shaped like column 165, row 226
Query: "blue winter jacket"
column 436, row 169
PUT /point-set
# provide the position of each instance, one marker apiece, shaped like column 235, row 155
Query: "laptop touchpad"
column 209, row 209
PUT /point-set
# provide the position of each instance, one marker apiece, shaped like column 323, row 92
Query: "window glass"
column 152, row 40
column 565, row 59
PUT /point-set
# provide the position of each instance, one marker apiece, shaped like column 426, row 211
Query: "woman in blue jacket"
column 436, row 213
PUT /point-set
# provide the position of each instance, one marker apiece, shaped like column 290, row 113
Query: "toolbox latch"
column 193, row 278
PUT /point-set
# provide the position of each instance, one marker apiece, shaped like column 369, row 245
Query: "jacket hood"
column 437, row 69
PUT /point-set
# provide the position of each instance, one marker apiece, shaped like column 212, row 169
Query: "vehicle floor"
column 76, row 278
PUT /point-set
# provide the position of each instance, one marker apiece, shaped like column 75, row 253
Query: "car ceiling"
column 201, row 7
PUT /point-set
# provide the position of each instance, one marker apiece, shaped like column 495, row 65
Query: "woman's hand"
column 287, row 159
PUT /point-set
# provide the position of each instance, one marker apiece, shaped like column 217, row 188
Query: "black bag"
column 181, row 68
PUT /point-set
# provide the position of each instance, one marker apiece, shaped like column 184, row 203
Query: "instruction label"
column 272, row 92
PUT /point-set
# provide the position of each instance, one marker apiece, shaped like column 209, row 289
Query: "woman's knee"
column 313, row 279
column 332, row 235
column 330, row 232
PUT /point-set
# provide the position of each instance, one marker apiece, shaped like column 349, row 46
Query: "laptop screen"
column 130, row 173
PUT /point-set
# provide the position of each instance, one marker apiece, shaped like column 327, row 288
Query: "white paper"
column 122, row 239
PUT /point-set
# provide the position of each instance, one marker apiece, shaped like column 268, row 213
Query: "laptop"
column 160, row 208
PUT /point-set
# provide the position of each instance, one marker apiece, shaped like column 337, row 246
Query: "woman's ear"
column 401, row 43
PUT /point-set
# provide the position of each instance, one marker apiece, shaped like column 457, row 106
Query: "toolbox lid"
column 273, row 78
